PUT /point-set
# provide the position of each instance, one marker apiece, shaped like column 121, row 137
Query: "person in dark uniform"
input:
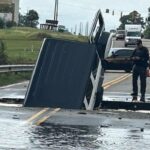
column 140, row 59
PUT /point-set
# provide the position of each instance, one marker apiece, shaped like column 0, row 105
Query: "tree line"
column 135, row 18
column 30, row 19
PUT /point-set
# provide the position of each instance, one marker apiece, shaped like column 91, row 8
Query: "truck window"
column 137, row 34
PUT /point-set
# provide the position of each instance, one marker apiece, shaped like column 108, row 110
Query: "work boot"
column 134, row 99
column 142, row 99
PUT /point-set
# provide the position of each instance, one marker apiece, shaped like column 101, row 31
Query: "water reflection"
column 89, row 138
column 124, row 139
column 66, row 137
column 15, row 135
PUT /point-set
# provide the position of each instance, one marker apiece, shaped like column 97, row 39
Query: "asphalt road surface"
column 120, row 43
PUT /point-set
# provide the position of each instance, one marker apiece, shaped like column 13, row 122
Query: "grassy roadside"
column 25, row 33
column 23, row 44
column 22, row 52
column 22, row 47
column 10, row 78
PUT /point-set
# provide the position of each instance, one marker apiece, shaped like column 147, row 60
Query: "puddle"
column 68, row 137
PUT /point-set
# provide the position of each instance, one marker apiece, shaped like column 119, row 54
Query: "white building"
column 15, row 14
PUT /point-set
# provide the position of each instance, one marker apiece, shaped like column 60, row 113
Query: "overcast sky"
column 72, row 12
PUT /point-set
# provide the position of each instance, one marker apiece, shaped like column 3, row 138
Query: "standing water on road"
column 15, row 135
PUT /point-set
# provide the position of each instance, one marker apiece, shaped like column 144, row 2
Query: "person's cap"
column 139, row 41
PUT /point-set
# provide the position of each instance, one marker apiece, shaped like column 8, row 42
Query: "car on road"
column 118, row 59
column 113, row 32
column 120, row 34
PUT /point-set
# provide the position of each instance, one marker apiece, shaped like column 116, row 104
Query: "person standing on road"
column 140, row 59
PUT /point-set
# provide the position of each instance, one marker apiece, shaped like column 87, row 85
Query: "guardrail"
column 16, row 68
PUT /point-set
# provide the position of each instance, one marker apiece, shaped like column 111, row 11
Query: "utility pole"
column 56, row 10
column 134, row 14
column 148, row 18
column 80, row 29
column 87, row 29
column 71, row 30
column 121, row 14
column 75, row 30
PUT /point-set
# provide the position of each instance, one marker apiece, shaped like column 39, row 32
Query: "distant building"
column 9, row 10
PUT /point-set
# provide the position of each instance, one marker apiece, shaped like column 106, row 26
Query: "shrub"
column 10, row 24
column 3, row 56
column 2, row 24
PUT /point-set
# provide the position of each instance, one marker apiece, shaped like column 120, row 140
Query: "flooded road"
column 89, row 138
column 20, row 136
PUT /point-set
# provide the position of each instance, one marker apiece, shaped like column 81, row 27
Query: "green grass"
column 22, row 47
column 10, row 78
column 22, row 51
column 35, row 34
column 23, row 44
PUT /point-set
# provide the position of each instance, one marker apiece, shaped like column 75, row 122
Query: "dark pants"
column 139, row 71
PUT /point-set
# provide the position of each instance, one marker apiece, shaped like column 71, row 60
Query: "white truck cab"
column 132, row 34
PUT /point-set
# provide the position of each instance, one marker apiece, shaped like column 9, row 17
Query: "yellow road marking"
column 47, row 116
column 116, row 79
column 107, row 85
column 37, row 114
